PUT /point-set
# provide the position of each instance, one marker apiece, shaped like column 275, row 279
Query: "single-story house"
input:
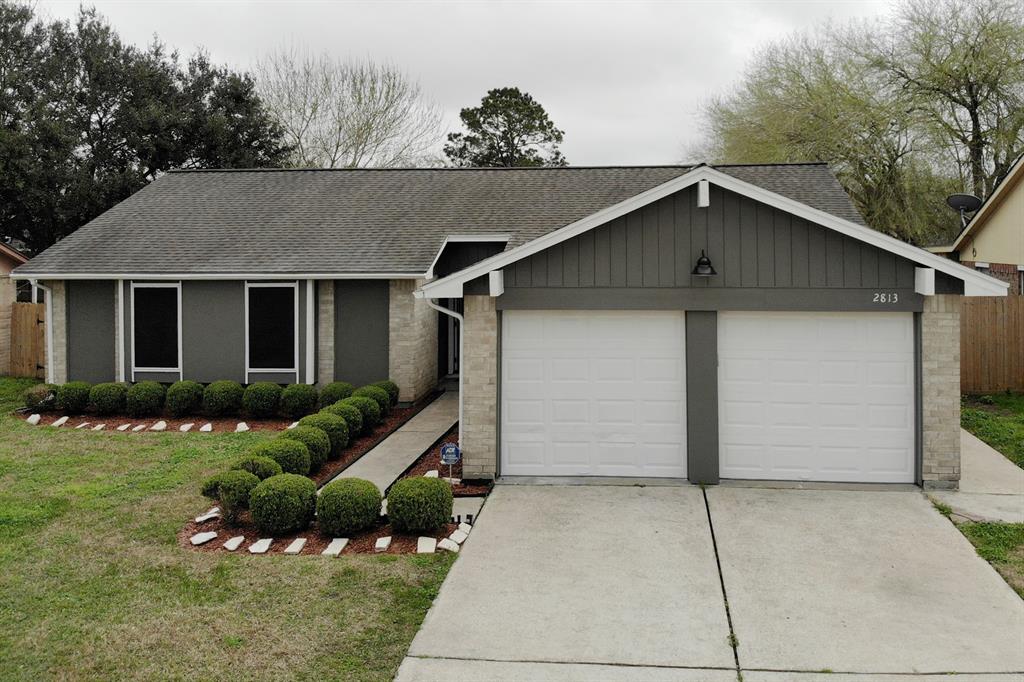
column 993, row 240
column 736, row 321
column 10, row 258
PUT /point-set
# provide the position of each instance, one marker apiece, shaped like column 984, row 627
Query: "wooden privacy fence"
column 28, row 340
column 992, row 344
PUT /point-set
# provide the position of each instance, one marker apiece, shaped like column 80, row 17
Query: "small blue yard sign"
column 450, row 454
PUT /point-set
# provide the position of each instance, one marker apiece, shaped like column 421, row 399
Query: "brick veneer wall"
column 60, row 331
column 480, row 387
column 1007, row 272
column 940, row 365
column 325, row 331
column 412, row 341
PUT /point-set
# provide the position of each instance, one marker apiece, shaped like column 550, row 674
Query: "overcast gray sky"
column 624, row 80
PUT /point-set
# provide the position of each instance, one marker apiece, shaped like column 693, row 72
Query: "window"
column 272, row 325
column 156, row 327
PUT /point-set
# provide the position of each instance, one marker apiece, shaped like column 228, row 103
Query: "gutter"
column 462, row 341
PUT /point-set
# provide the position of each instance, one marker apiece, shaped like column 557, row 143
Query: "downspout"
column 462, row 340
column 49, row 327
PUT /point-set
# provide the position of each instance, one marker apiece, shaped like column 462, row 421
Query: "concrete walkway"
column 566, row 583
column 991, row 486
column 392, row 456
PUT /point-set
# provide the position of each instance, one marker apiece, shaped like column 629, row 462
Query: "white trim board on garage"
column 975, row 283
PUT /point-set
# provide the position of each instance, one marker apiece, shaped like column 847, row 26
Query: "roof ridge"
column 493, row 168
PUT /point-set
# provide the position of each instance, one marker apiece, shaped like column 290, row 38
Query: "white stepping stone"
column 425, row 545
column 206, row 428
column 453, row 481
column 293, row 425
column 234, row 543
column 60, row 422
column 382, row 544
column 213, row 510
column 457, row 536
column 34, row 419
column 124, row 427
column 465, row 528
column 449, row 545
column 336, row 546
column 242, row 427
column 261, row 546
column 200, row 538
column 431, row 474
column 209, row 516
column 296, row 546
column 185, row 427
column 138, row 428
column 384, row 507
column 82, row 425
column 159, row 426
column 99, row 427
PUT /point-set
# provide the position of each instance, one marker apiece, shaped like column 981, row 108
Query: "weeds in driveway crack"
column 734, row 641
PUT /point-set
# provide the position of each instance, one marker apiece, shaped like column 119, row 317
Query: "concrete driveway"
column 626, row 583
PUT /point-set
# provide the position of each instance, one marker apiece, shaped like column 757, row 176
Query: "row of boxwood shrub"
column 262, row 399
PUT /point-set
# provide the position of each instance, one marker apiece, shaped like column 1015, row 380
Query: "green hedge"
column 233, row 492
column 292, row 455
column 258, row 465
column 261, row 399
column 419, row 505
column 389, row 386
column 223, row 398
column 283, row 504
column 73, row 397
column 333, row 425
column 145, row 399
column 378, row 395
column 316, row 441
column 369, row 408
column 41, row 397
column 335, row 391
column 184, row 398
column 298, row 400
column 350, row 413
column 108, row 398
column 347, row 506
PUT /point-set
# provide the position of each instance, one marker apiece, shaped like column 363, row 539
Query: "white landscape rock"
column 99, row 427
column 425, row 545
column 61, row 422
column 206, row 428
column 384, row 507
column 260, row 546
column 234, row 543
column 242, row 427
column 449, row 545
column 208, row 516
column 138, row 428
column 186, row 427
column 458, row 537
column 200, row 538
column 159, row 426
column 124, row 427
column 296, row 546
column 34, row 419
column 293, row 425
column 465, row 528
column 336, row 546
column 453, row 481
column 431, row 474
column 382, row 544
column 82, row 425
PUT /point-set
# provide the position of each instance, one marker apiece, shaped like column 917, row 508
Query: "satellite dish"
column 965, row 203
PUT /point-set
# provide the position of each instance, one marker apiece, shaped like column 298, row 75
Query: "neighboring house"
column 993, row 240
column 809, row 347
column 10, row 258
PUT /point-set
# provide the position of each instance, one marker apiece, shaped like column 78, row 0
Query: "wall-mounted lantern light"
column 704, row 268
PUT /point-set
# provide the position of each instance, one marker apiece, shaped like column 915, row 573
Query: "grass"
column 997, row 419
column 95, row 586
column 1002, row 545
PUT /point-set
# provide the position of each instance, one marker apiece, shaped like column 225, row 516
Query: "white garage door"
column 817, row 396
column 595, row 393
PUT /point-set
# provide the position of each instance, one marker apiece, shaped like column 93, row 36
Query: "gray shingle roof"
column 365, row 221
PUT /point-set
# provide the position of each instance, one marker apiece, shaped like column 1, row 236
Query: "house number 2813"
column 886, row 297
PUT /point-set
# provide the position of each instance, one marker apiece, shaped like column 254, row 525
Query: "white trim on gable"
column 975, row 283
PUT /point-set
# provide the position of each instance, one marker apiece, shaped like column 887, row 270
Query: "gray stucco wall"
column 361, row 330
column 91, row 310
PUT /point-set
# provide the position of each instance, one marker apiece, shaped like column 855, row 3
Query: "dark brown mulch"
column 431, row 459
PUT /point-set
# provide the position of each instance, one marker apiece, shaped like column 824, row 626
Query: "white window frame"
column 294, row 286
column 131, row 330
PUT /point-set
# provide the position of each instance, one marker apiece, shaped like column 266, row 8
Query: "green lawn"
column 998, row 420
column 1002, row 545
column 94, row 585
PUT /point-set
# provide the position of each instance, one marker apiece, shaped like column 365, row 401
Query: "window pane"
column 271, row 328
column 156, row 327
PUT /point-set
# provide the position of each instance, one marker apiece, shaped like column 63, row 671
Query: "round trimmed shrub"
column 211, row 486
column 335, row 391
column 41, row 397
column 298, row 400
column 369, row 408
column 331, row 424
column 316, row 441
column 108, row 398
column 283, row 504
column 73, row 397
column 389, row 386
column 233, row 492
column 347, row 506
column 419, row 504
column 378, row 395
column 350, row 413
column 259, row 466
column 145, row 398
column 222, row 398
column 184, row 397
column 262, row 399
column 292, row 455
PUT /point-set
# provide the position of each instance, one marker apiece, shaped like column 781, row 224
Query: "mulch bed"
column 431, row 459
column 220, row 424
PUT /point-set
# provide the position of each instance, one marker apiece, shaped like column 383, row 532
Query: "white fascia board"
column 981, row 284
column 218, row 276
column 924, row 281
column 461, row 239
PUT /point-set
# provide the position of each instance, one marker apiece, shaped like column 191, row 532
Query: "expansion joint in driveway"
column 733, row 641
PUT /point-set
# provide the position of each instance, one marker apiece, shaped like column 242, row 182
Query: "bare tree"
column 348, row 114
